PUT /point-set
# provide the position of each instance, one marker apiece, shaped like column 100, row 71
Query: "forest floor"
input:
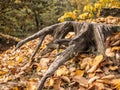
column 84, row 72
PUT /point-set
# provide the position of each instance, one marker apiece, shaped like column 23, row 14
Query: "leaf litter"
column 85, row 72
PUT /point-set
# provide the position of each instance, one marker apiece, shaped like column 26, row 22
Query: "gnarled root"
column 87, row 35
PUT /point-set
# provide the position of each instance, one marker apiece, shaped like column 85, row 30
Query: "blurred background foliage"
column 22, row 18
column 89, row 9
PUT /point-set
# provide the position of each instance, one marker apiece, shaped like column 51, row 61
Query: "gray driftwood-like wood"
column 87, row 36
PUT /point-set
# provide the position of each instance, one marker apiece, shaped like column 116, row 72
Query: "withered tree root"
column 87, row 36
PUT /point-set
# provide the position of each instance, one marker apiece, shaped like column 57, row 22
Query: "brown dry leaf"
column 105, row 81
column 82, row 88
column 11, row 63
column 93, row 79
column 98, row 59
column 92, row 87
column 32, row 84
column 116, row 43
column 62, row 71
column 50, row 82
column 109, row 52
column 113, row 68
column 85, row 62
column 57, row 83
column 108, row 77
column 13, row 70
column 106, row 70
column 81, row 80
column 44, row 63
column 65, row 78
column 90, row 75
column 100, row 86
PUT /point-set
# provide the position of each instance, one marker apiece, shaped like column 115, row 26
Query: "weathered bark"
column 87, row 36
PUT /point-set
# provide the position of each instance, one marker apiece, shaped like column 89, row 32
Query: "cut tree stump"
column 88, row 37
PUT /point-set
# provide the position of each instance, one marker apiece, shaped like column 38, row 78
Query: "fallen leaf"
column 15, row 88
column 62, row 71
column 57, row 83
column 86, row 61
column 98, row 59
column 11, row 63
column 104, row 81
column 65, row 78
column 79, row 72
column 82, row 88
column 116, row 83
column 32, row 84
column 116, row 48
column 19, row 59
column 44, row 63
column 108, row 77
column 113, row 68
column 81, row 80
column 93, row 79
column 109, row 52
column 2, row 72
column 100, row 86
column 50, row 82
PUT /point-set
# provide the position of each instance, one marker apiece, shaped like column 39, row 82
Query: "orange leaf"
column 79, row 72
column 2, row 72
column 116, row 48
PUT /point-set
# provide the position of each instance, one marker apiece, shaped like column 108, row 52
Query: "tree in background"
column 28, row 16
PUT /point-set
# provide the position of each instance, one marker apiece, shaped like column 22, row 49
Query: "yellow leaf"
column 97, row 5
column 79, row 72
column 2, row 72
column 11, row 63
column 116, row 82
column 62, row 71
column 1, row 77
column 19, row 59
column 51, row 82
column 98, row 59
column 38, row 68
